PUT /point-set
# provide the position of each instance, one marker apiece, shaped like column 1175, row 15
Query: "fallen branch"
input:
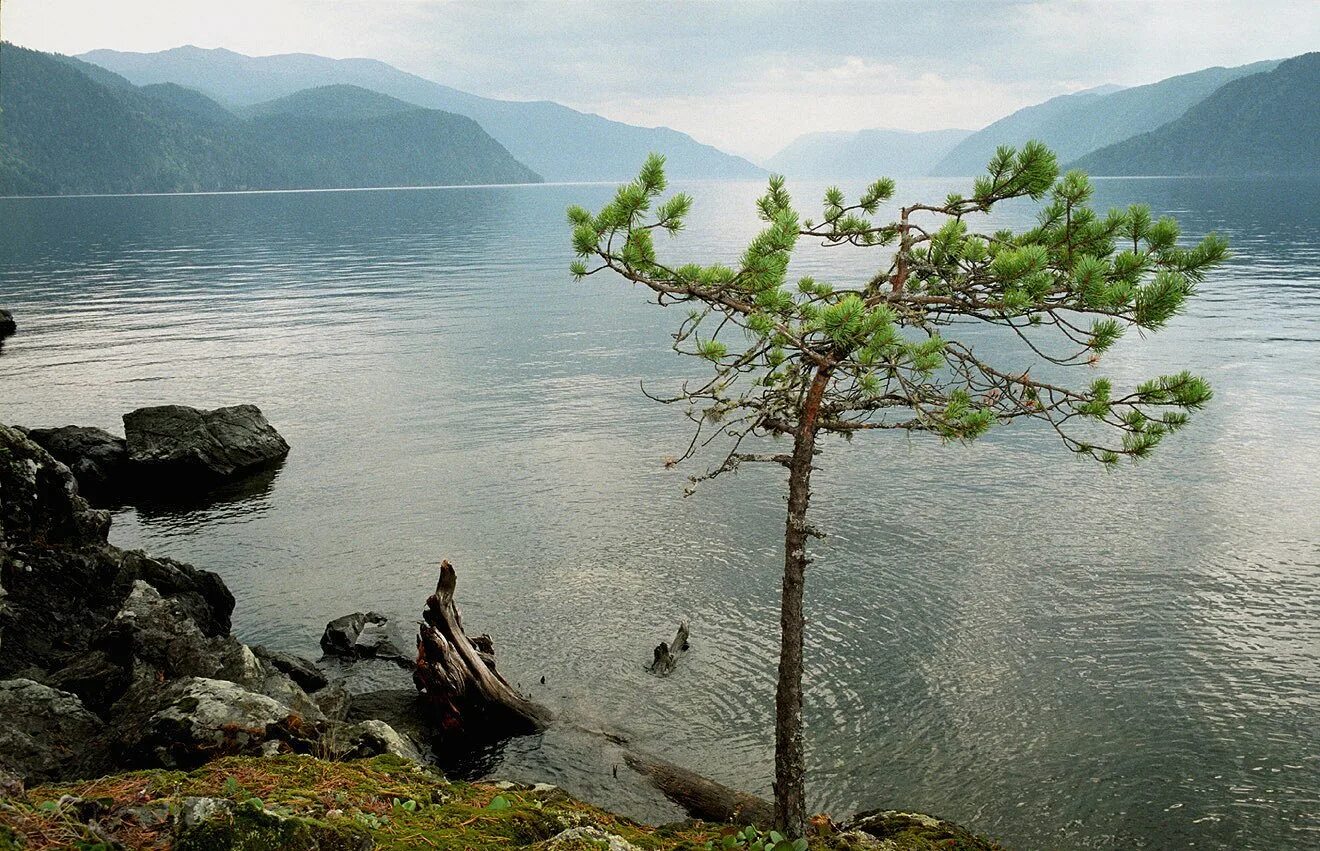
column 701, row 798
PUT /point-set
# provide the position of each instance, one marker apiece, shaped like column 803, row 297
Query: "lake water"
column 1056, row 655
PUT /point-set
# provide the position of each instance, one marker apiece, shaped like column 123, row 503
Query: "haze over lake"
column 1141, row 674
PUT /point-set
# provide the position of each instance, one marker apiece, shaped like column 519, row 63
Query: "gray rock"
column 372, row 738
column 45, row 734
column 303, row 671
column 341, row 634
column 589, row 837
column 383, row 640
column 196, row 811
column 41, row 500
column 201, row 593
column 366, row 635
column 333, row 701
column 97, row 458
column 400, row 708
column 196, row 719
column 193, row 447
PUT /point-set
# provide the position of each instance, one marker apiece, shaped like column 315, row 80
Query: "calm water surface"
column 1056, row 655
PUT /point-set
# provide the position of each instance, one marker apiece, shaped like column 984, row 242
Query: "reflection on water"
column 1058, row 656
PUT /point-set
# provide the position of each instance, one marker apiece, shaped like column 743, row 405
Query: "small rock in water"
column 8, row 327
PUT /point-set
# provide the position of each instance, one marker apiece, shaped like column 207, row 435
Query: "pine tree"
column 793, row 361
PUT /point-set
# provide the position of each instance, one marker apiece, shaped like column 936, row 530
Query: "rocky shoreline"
column 113, row 660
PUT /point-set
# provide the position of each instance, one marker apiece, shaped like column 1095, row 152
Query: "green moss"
column 298, row 802
column 251, row 827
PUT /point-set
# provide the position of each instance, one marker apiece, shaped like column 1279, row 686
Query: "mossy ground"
column 302, row 802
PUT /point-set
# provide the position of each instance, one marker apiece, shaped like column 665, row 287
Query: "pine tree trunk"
column 790, row 768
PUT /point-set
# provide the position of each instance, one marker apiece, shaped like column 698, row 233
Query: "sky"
column 748, row 77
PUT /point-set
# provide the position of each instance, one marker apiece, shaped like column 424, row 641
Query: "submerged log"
column 666, row 655
column 700, row 797
column 460, row 690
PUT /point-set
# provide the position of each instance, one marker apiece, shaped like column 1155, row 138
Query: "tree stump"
column 666, row 655
column 460, row 690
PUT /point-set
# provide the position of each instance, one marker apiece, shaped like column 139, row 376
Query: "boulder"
column 45, row 733
column 192, row 447
column 302, row 671
column 197, row 718
column 8, row 327
column 96, row 457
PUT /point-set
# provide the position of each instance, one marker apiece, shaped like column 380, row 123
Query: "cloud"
column 761, row 111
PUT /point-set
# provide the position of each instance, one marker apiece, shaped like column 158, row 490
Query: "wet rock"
column 302, row 671
column 8, row 327
column 97, row 458
column 196, row 719
column 341, row 634
column 190, row 447
column 45, row 734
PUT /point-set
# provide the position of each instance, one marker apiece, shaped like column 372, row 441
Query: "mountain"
column 864, row 154
column 72, row 128
column 1074, row 125
column 1265, row 124
column 558, row 142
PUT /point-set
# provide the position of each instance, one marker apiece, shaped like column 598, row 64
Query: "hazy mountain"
column 558, row 142
column 864, row 154
column 1077, row 124
column 1267, row 123
column 73, row 128
column 339, row 102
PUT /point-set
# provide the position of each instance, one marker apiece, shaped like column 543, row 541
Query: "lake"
column 1053, row 654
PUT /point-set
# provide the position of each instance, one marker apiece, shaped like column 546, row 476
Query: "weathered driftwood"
column 666, row 655
column 700, row 797
column 461, row 692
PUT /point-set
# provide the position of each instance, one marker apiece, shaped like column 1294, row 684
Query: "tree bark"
column 790, row 792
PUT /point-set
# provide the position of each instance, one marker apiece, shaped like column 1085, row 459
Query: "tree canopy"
column 887, row 353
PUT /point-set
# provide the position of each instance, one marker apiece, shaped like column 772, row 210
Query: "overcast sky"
column 746, row 76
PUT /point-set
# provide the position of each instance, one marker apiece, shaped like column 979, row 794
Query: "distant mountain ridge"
column 1264, row 124
column 864, row 154
column 73, row 128
column 1074, row 125
column 557, row 142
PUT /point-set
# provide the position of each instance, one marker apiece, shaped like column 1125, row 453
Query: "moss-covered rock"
column 249, row 826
